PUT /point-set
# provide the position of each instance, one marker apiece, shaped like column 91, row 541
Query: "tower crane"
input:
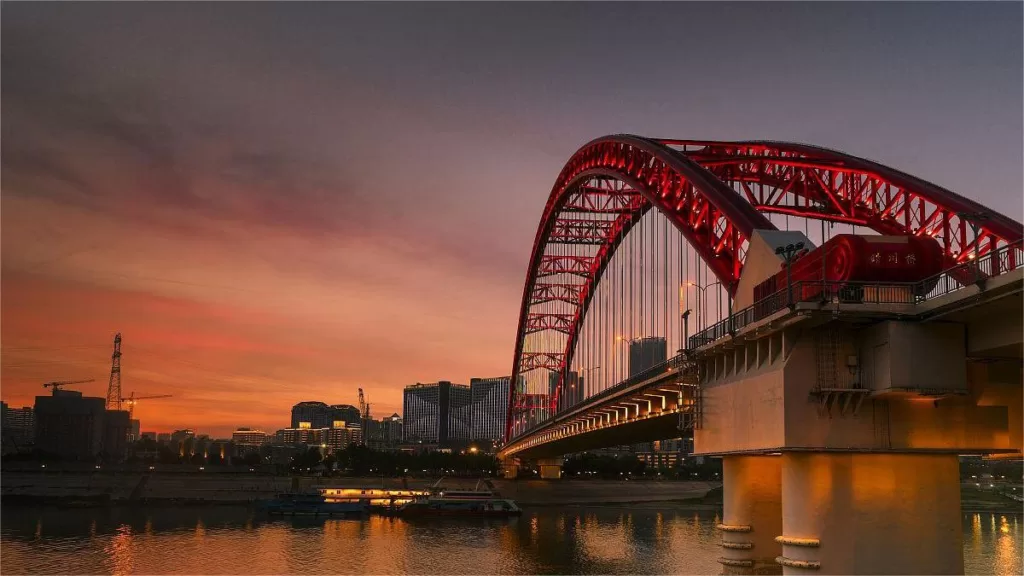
column 132, row 399
column 57, row 384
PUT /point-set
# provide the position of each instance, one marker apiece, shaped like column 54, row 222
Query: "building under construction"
column 71, row 426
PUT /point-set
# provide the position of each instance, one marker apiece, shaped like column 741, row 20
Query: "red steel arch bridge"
column 640, row 254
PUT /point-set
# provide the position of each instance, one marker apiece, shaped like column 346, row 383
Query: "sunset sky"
column 285, row 202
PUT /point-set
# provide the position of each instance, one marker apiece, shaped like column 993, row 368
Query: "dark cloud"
column 439, row 127
column 72, row 138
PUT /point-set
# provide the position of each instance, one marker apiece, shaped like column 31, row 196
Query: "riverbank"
column 96, row 489
column 80, row 489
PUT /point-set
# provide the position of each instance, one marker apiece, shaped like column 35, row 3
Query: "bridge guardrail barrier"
column 974, row 271
column 679, row 362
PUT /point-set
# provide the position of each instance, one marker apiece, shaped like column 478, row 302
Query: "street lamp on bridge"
column 789, row 252
column 704, row 297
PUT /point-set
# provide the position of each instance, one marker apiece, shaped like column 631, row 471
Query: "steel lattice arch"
column 715, row 194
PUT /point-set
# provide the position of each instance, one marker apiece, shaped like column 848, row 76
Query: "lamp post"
column 583, row 380
column 686, row 330
column 702, row 304
column 789, row 252
column 704, row 297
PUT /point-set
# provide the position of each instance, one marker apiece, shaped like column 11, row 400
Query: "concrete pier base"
column 870, row 514
column 752, row 514
column 550, row 468
column 510, row 468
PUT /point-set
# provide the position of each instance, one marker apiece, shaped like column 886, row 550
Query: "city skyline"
column 271, row 203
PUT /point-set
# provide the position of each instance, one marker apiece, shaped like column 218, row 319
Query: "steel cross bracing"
column 714, row 194
column 814, row 182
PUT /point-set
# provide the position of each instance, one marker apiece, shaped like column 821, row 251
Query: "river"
column 639, row 539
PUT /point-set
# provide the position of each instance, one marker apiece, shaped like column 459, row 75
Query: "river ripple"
column 231, row 540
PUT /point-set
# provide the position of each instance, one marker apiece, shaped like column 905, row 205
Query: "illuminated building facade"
column 438, row 413
column 489, row 407
column 248, row 440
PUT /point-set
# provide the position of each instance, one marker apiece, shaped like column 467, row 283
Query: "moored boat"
column 313, row 504
column 476, row 502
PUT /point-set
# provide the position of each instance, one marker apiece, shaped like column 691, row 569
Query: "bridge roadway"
column 654, row 404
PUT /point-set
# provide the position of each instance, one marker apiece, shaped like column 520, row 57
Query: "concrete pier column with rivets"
column 752, row 514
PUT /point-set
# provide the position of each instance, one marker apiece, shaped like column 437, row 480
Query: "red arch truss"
column 714, row 193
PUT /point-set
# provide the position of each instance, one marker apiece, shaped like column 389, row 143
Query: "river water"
column 235, row 540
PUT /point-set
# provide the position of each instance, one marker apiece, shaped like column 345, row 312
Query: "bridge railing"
column 995, row 263
column 679, row 362
column 976, row 270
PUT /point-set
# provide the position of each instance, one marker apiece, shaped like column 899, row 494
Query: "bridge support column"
column 752, row 514
column 550, row 468
column 510, row 468
column 871, row 514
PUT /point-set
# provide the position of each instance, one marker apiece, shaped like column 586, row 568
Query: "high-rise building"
column 384, row 434
column 339, row 415
column 664, row 453
column 248, row 440
column 117, row 428
column 437, row 413
column 163, row 437
column 151, row 436
column 18, row 426
column 572, row 391
column 311, row 415
column 645, row 353
column 301, row 435
column 136, row 426
column 341, row 437
column 489, row 407
column 460, row 414
column 69, row 425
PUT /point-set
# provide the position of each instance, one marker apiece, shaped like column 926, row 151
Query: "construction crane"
column 131, row 400
column 57, row 384
column 364, row 415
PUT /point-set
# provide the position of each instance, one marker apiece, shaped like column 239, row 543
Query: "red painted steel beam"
column 911, row 205
column 704, row 209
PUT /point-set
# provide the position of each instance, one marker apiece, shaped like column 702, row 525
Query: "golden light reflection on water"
column 606, row 542
column 561, row 541
column 995, row 545
column 119, row 551
column 383, row 543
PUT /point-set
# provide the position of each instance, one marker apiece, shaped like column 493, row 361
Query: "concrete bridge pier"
column 550, row 468
column 510, row 468
column 752, row 514
column 871, row 513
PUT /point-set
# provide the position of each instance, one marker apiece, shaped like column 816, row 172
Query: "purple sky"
column 285, row 198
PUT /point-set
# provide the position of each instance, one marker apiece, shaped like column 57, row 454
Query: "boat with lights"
column 475, row 502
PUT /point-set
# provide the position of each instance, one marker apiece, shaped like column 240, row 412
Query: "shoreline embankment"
column 84, row 489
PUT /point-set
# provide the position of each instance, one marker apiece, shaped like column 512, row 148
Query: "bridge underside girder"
column 642, row 430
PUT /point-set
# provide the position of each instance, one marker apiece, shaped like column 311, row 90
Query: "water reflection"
column 559, row 540
column 994, row 545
